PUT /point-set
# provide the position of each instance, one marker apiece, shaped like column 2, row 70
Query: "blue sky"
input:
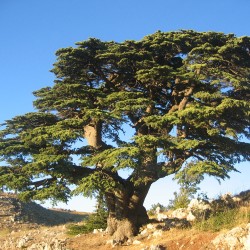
column 31, row 31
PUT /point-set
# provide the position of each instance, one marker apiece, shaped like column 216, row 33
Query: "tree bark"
column 92, row 133
column 125, row 203
column 126, row 212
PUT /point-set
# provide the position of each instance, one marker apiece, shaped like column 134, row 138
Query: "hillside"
column 15, row 214
column 32, row 227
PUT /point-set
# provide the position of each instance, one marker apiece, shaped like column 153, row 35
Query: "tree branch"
column 43, row 182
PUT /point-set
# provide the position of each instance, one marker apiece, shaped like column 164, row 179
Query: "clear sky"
column 31, row 31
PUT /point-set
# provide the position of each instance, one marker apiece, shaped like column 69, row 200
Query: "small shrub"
column 181, row 200
column 188, row 181
column 77, row 229
column 96, row 220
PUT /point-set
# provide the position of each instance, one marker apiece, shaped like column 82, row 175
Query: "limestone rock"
column 237, row 238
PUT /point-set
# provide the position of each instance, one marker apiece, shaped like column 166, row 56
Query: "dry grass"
column 225, row 220
column 4, row 232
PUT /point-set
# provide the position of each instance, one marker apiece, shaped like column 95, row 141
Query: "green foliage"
column 188, row 182
column 97, row 220
column 181, row 199
column 74, row 229
column 184, row 96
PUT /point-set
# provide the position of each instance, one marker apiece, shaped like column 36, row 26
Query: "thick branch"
column 79, row 172
column 93, row 135
column 115, row 176
column 184, row 101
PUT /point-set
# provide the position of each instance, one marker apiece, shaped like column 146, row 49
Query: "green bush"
column 77, row 229
column 96, row 220
column 188, row 181
column 181, row 200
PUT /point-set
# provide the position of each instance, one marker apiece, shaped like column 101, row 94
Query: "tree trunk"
column 126, row 212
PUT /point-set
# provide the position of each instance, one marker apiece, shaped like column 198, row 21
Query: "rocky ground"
column 32, row 227
column 14, row 214
column 55, row 238
column 236, row 239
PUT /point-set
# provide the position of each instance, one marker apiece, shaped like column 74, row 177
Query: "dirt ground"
column 173, row 240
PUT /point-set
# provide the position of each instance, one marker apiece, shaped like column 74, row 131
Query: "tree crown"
column 183, row 95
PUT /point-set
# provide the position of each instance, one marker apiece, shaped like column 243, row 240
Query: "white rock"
column 158, row 210
column 157, row 233
column 198, row 204
column 136, row 242
column 246, row 243
column 95, row 231
column 150, row 226
column 22, row 242
column 145, row 231
column 236, row 199
column 191, row 217
column 161, row 216
column 180, row 213
column 237, row 238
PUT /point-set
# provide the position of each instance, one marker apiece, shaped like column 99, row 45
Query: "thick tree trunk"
column 126, row 212
column 125, row 203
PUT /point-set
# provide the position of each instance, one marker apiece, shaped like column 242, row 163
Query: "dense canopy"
column 184, row 97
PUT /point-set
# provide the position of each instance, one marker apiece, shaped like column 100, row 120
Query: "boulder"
column 180, row 213
column 237, row 238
